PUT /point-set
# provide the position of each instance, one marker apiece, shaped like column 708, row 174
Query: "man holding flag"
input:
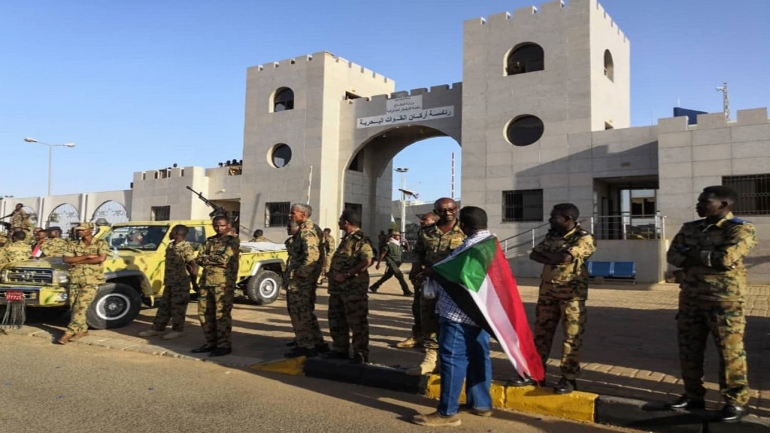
column 477, row 296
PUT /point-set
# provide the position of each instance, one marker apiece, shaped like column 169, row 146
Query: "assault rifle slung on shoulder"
column 220, row 211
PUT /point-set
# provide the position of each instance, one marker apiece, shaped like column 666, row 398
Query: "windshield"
column 136, row 237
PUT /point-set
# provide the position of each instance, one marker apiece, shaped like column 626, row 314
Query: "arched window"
column 64, row 216
column 111, row 211
column 526, row 57
column 609, row 66
column 283, row 99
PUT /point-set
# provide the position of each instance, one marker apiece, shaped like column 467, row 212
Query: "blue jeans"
column 464, row 354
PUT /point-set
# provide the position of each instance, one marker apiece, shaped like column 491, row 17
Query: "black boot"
column 565, row 386
column 519, row 381
column 685, row 402
column 301, row 351
column 732, row 413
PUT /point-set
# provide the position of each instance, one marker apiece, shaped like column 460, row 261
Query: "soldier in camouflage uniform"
column 219, row 260
column 710, row 253
column 563, row 292
column 348, row 284
column 329, row 245
column 434, row 244
column 292, row 229
column 302, row 275
column 17, row 251
column 55, row 246
column 259, row 237
column 19, row 218
column 180, row 266
column 86, row 275
column 415, row 340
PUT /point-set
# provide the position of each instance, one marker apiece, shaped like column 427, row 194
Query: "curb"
column 576, row 406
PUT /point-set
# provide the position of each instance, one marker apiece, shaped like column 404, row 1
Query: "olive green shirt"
column 354, row 248
column 721, row 247
column 567, row 281
column 220, row 261
column 92, row 273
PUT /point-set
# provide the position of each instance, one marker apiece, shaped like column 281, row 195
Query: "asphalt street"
column 80, row 388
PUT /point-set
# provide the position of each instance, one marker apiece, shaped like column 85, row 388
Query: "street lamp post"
column 403, row 170
column 50, row 156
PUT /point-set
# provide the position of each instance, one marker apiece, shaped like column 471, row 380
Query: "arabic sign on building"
column 412, row 115
column 404, row 105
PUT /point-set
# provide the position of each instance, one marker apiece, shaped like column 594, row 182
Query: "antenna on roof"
column 725, row 100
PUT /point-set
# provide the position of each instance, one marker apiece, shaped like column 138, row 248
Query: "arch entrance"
column 368, row 182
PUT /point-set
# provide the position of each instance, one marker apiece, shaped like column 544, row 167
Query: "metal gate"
column 64, row 216
column 111, row 211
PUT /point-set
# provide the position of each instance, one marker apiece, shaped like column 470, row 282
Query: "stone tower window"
column 525, row 57
column 280, row 155
column 524, row 130
column 609, row 66
column 283, row 99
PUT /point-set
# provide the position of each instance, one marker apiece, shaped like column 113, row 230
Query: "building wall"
column 85, row 204
column 692, row 157
column 168, row 188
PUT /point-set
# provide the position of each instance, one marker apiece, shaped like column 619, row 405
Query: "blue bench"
column 612, row 270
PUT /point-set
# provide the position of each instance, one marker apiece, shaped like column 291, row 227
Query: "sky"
column 142, row 84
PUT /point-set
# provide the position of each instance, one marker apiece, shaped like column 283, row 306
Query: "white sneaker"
column 150, row 333
column 173, row 334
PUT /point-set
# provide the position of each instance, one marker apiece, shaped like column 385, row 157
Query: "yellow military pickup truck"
column 134, row 272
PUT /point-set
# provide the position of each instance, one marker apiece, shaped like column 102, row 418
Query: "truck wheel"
column 264, row 287
column 114, row 306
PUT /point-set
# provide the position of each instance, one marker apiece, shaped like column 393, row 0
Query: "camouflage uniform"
column 259, row 239
column 85, row 279
column 712, row 301
column 306, row 258
column 15, row 252
column 55, row 247
column 348, row 301
column 176, row 293
column 563, row 294
column 329, row 245
column 219, row 260
column 433, row 246
column 19, row 221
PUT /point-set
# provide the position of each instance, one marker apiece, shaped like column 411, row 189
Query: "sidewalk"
column 629, row 347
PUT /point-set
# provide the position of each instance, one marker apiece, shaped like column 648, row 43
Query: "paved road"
column 80, row 388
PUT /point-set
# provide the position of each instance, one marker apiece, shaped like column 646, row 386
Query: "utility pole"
column 725, row 100
column 403, row 170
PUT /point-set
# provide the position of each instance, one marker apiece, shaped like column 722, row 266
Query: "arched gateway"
column 349, row 138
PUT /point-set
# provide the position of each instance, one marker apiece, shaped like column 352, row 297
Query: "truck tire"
column 115, row 305
column 264, row 287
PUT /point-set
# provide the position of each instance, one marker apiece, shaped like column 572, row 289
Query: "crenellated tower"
column 530, row 78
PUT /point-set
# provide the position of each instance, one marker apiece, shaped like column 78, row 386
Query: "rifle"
column 219, row 210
